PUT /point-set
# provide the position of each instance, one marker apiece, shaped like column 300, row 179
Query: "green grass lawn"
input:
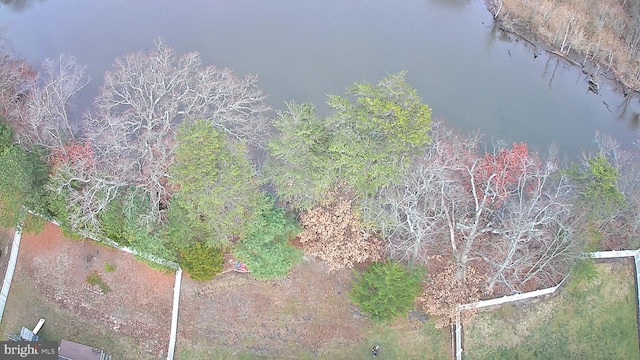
column 594, row 317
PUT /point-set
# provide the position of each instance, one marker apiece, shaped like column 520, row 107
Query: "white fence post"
column 174, row 315
column 636, row 258
column 11, row 267
column 458, row 337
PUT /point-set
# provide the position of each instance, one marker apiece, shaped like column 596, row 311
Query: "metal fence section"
column 174, row 315
column 11, row 267
column 510, row 298
column 636, row 260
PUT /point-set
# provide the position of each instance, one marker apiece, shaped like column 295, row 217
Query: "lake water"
column 472, row 76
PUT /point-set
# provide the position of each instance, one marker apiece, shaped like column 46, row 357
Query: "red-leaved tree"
column 504, row 214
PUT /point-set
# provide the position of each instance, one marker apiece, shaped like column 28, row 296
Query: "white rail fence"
column 174, row 315
column 11, row 267
column 4, row 293
column 543, row 292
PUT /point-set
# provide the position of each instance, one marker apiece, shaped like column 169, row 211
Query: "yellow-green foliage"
column 371, row 136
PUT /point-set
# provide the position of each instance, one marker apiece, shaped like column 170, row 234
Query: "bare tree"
column 80, row 187
column 618, row 225
column 16, row 76
column 143, row 99
column 45, row 115
column 500, row 213
column 531, row 244
column 414, row 215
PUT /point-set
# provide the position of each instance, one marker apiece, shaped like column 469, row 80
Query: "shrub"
column 94, row 279
column 386, row 290
column 23, row 176
column 112, row 222
column 266, row 249
column 143, row 236
column 444, row 290
column 109, row 267
column 200, row 261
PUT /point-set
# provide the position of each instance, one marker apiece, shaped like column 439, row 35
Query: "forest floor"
column 593, row 317
column 131, row 321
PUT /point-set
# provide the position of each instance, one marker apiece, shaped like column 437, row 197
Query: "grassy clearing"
column 403, row 339
column 593, row 318
column 26, row 306
column 603, row 31
column 399, row 340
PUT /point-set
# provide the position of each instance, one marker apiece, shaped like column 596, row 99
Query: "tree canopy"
column 214, row 181
column 371, row 136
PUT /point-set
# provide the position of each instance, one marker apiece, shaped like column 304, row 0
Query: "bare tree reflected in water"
column 19, row 5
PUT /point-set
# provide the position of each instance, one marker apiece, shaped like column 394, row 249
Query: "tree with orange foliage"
column 333, row 233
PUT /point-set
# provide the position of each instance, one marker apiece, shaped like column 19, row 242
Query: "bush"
column 112, row 222
column 94, row 279
column 23, row 176
column 336, row 235
column 266, row 249
column 109, row 267
column 143, row 237
column 200, row 261
column 386, row 290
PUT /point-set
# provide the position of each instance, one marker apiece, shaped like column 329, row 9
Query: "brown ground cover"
column 306, row 315
column 131, row 321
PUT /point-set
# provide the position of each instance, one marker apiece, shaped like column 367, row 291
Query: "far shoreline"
column 594, row 70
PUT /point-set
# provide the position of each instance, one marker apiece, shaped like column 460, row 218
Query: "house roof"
column 70, row 350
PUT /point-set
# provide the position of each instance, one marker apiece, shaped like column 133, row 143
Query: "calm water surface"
column 472, row 76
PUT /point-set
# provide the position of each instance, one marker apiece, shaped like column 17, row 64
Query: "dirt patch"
column 303, row 311
column 306, row 315
column 136, row 309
